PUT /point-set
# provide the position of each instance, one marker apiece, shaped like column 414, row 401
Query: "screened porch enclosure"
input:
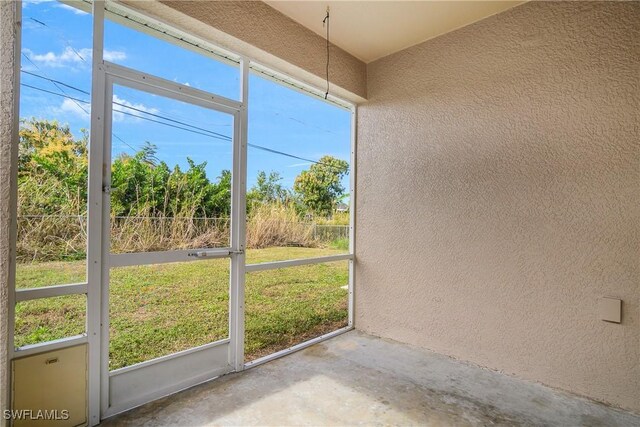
column 178, row 212
column 220, row 236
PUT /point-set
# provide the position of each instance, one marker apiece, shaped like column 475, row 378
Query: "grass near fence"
column 64, row 237
column 157, row 310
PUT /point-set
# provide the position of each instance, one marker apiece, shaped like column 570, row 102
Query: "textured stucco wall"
column 259, row 31
column 8, row 33
column 498, row 196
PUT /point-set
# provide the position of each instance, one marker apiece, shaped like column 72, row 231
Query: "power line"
column 55, row 93
column 214, row 135
column 222, row 137
column 50, row 79
column 157, row 115
column 124, row 142
column 270, row 150
column 57, row 84
column 61, row 37
column 173, row 120
column 131, row 108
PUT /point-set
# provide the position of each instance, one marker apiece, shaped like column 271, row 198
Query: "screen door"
column 167, row 238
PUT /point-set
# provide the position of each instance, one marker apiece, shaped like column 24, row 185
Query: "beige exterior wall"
column 254, row 29
column 498, row 196
column 8, row 155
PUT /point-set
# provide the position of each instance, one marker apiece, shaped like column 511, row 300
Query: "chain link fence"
column 64, row 237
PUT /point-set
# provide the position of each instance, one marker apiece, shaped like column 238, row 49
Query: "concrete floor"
column 359, row 379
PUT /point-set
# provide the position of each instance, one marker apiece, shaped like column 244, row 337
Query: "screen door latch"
column 213, row 254
column 205, row 254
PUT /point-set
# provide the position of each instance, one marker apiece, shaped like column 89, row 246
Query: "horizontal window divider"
column 28, row 294
column 297, row 347
column 296, row 262
column 163, row 257
column 164, row 87
column 61, row 343
column 176, row 355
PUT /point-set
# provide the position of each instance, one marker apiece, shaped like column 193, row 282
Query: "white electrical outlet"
column 610, row 309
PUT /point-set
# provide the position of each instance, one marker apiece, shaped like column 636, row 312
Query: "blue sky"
column 56, row 43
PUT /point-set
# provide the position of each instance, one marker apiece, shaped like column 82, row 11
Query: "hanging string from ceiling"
column 325, row 22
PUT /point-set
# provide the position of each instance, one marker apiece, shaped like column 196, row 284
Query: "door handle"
column 205, row 254
column 212, row 254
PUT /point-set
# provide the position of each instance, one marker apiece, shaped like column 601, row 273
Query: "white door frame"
column 125, row 388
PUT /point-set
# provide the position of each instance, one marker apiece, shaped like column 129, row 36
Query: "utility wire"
column 157, row 115
column 55, row 83
column 58, row 85
column 210, row 134
column 222, row 137
column 61, row 37
column 270, row 150
column 128, row 106
column 55, row 93
column 50, row 79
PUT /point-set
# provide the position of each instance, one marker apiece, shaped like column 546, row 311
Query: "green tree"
column 141, row 185
column 138, row 183
column 267, row 189
column 220, row 196
column 52, row 169
column 320, row 186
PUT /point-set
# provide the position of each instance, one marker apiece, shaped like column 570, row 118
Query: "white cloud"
column 114, row 55
column 83, row 111
column 297, row 165
column 71, row 57
column 70, row 107
column 67, row 57
column 75, row 10
column 119, row 110
column 26, row 3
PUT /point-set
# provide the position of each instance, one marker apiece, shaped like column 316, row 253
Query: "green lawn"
column 157, row 310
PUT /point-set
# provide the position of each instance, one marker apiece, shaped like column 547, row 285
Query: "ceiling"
column 370, row 29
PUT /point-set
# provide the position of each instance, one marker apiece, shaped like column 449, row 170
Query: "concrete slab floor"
column 357, row 379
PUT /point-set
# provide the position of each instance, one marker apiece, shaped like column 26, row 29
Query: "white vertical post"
column 352, row 217
column 105, row 241
column 238, row 224
column 94, row 223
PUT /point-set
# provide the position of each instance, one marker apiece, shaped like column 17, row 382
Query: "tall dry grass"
column 51, row 237
column 60, row 237
column 145, row 232
column 277, row 224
